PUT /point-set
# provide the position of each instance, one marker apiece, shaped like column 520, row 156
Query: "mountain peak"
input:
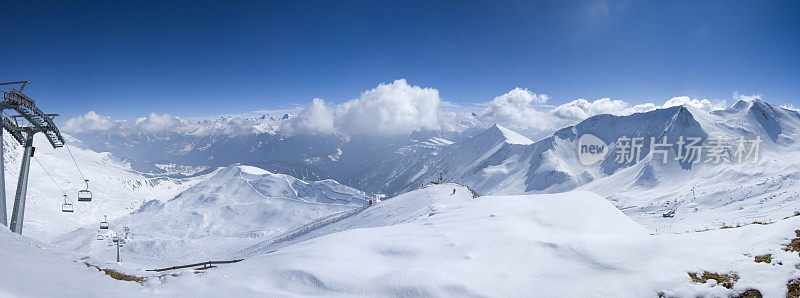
column 510, row 136
column 252, row 170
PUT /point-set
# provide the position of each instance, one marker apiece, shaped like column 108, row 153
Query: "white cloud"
column 389, row 109
column 158, row 123
column 525, row 112
column 703, row 104
column 91, row 121
column 521, row 98
column 582, row 109
column 517, row 109
column 641, row 108
column 752, row 97
column 317, row 117
column 394, row 108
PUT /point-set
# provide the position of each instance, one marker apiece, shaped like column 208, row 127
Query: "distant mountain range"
column 496, row 160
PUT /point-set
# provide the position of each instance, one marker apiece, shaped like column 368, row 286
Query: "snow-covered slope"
column 232, row 208
column 502, row 161
column 35, row 269
column 431, row 243
column 117, row 189
column 492, row 158
column 709, row 195
column 498, row 161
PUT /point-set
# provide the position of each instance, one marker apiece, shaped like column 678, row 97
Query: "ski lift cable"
column 51, row 177
column 3, row 114
column 82, row 176
column 62, row 190
column 75, row 161
column 99, row 208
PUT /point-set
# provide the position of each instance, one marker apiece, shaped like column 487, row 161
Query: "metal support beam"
column 37, row 121
column 22, row 185
column 117, row 244
column 3, row 212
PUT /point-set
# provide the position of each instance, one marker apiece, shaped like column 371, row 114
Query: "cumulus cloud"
column 525, row 111
column 520, row 98
column 581, row 108
column 91, row 121
column 703, row 104
column 94, row 122
column 317, row 117
column 641, row 108
column 398, row 108
column 517, row 109
column 389, row 109
column 155, row 122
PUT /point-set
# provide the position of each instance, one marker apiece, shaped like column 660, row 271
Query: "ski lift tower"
column 27, row 121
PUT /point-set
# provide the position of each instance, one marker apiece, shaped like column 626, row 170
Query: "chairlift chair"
column 100, row 237
column 67, row 207
column 85, row 195
column 104, row 223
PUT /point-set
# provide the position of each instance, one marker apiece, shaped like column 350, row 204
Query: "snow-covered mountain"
column 117, row 189
column 230, row 208
column 605, row 222
column 499, row 161
column 201, row 146
column 462, row 161
column 502, row 161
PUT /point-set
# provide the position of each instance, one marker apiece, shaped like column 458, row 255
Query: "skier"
column 454, row 191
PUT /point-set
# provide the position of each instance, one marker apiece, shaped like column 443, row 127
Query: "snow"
column 725, row 194
column 34, row 269
column 512, row 137
column 253, row 170
column 117, row 189
column 235, row 207
column 545, row 226
column 431, row 242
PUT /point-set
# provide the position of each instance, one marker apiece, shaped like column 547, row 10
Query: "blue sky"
column 199, row 58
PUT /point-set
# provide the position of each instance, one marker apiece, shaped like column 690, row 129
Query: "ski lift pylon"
column 104, row 223
column 85, row 195
column 67, row 207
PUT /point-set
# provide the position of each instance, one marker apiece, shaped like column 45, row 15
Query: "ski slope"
column 117, row 189
column 35, row 269
column 232, row 208
column 430, row 242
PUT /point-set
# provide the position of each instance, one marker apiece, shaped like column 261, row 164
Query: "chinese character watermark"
column 629, row 150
